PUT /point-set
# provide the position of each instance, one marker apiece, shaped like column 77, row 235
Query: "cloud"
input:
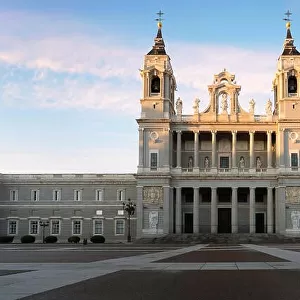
column 77, row 69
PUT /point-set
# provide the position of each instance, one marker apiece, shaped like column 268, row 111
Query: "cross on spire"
column 160, row 14
column 288, row 14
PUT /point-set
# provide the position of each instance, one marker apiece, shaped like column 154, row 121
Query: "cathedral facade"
column 221, row 170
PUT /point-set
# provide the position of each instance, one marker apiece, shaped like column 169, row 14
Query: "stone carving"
column 242, row 162
column 153, row 195
column 224, row 145
column 295, row 218
column 292, row 194
column 190, row 163
column 224, row 103
column 196, row 106
column 269, row 107
column 258, row 163
column 179, row 106
column 293, row 136
column 251, row 106
column 206, row 162
column 153, row 219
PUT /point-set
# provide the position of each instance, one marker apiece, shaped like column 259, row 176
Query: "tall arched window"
column 155, row 85
column 292, row 83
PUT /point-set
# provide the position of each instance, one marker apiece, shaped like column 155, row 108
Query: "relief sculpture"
column 295, row 218
column 153, row 195
column 292, row 194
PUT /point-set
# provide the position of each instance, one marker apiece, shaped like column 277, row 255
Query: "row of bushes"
column 26, row 239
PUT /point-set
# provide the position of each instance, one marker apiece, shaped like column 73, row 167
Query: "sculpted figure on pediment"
column 153, row 195
column 269, row 107
column 179, row 106
column 251, row 106
column 196, row 106
column 224, row 103
column 292, row 194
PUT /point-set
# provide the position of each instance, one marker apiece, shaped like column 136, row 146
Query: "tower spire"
column 159, row 45
column 288, row 46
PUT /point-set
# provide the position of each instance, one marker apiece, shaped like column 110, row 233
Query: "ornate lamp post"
column 129, row 207
column 44, row 224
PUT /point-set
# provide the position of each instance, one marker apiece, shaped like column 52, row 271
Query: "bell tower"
column 159, row 84
column 286, row 84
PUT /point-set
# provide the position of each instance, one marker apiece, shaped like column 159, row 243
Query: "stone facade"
column 221, row 170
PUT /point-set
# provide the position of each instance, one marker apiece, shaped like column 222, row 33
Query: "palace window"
column 77, row 195
column 153, row 160
column 294, row 161
column 55, row 227
column 56, row 195
column 35, row 195
column 13, row 195
column 12, row 227
column 120, row 227
column 224, row 162
column 33, row 227
column 99, row 195
column 76, row 227
column 98, row 226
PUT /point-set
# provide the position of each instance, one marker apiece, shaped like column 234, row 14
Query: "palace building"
column 221, row 170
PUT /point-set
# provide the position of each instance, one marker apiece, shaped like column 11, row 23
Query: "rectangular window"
column 121, row 195
column 99, row 195
column 77, row 195
column 294, row 161
column 55, row 227
column 76, row 227
column 120, row 227
column 33, row 227
column 98, row 226
column 35, row 195
column 153, row 160
column 99, row 212
column 224, row 162
column 121, row 212
column 56, row 195
column 12, row 227
column 13, row 195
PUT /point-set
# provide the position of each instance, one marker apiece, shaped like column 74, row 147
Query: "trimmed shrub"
column 74, row 239
column 6, row 239
column 97, row 239
column 26, row 239
column 50, row 239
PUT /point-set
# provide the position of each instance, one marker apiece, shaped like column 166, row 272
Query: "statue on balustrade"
column 269, row 107
column 251, row 106
column 179, row 106
column 190, row 163
column 258, row 163
column 206, row 163
column 196, row 106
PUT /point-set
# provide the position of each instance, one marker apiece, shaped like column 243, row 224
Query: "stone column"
column 166, row 209
column 269, row 148
column 213, row 148
column 178, row 210
column 252, row 210
column 196, row 210
column 178, row 149
column 213, row 211
column 139, row 210
column 141, row 147
column 196, row 149
column 234, row 132
column 234, row 210
column 251, row 165
column 280, row 209
column 270, row 210
column 281, row 148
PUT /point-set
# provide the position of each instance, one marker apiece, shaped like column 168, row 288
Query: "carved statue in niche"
column 292, row 194
column 242, row 162
column 153, row 219
column 153, row 195
column 196, row 106
column 269, row 107
column 206, row 162
column 251, row 106
column 190, row 163
column 224, row 103
column 179, row 106
column 295, row 218
column 258, row 163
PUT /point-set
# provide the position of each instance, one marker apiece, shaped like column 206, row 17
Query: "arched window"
column 292, row 84
column 155, row 85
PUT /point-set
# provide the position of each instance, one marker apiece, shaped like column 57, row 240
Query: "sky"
column 69, row 72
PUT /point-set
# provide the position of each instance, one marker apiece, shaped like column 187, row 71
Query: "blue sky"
column 69, row 80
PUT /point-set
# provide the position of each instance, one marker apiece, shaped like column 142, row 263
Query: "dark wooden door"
column 259, row 222
column 188, row 223
column 224, row 220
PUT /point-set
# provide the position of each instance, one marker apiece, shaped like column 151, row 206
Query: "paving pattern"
column 151, row 272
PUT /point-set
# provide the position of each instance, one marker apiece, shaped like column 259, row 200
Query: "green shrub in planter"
column 26, row 239
column 50, row 239
column 6, row 239
column 74, row 239
column 97, row 239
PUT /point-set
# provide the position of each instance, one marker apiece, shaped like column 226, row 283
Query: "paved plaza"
column 134, row 272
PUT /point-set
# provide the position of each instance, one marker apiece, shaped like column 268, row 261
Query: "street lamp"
column 44, row 224
column 129, row 207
